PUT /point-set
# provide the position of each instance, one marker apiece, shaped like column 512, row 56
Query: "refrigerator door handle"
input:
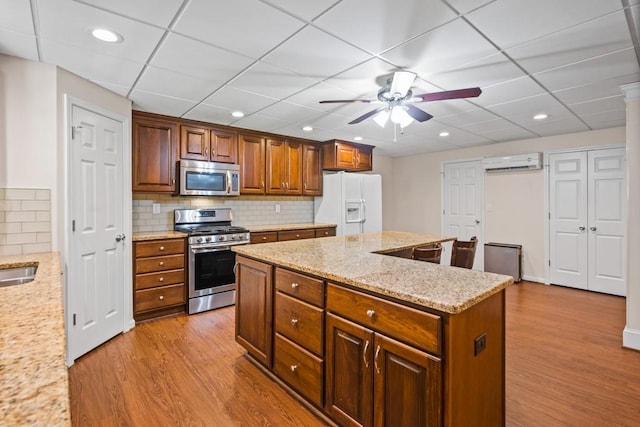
column 363, row 205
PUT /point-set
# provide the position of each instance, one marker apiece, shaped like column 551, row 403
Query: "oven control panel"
column 220, row 239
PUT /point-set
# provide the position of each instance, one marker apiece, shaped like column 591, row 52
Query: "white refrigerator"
column 352, row 201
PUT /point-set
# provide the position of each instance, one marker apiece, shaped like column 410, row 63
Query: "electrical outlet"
column 156, row 208
column 479, row 344
column 277, row 207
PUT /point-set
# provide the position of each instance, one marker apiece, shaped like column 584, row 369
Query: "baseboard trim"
column 631, row 338
column 532, row 278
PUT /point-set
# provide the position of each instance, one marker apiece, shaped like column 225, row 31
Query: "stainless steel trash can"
column 503, row 258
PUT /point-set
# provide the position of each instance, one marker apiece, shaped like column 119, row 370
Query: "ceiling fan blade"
column 470, row 92
column 417, row 113
column 366, row 116
column 335, row 101
column 401, row 83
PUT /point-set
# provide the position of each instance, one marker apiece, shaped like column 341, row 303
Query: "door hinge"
column 549, row 215
column 74, row 319
column 549, row 263
column 73, row 225
column 74, row 130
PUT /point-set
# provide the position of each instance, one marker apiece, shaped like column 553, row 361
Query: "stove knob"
column 208, row 239
column 199, row 240
column 233, row 237
column 222, row 238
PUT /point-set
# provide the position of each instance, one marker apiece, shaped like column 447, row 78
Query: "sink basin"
column 17, row 275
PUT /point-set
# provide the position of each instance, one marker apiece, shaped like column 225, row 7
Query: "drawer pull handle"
column 161, row 279
column 294, row 285
column 293, row 368
column 162, row 248
column 371, row 313
column 294, row 321
column 161, row 263
column 375, row 360
column 364, row 354
column 297, row 235
column 161, row 297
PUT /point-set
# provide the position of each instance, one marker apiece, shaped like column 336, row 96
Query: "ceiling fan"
column 398, row 100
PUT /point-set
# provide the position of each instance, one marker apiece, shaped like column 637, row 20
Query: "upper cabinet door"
column 251, row 160
column 346, row 156
column 276, row 166
column 294, row 167
column 155, row 151
column 194, row 143
column 224, row 146
column 311, row 170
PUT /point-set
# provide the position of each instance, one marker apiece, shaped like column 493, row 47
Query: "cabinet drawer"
column 300, row 286
column 300, row 322
column 264, row 237
column 159, row 247
column 160, row 263
column 166, row 296
column 301, row 369
column 163, row 278
column 412, row 326
column 296, row 234
column 325, row 232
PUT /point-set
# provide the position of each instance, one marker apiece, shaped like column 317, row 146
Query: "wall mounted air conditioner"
column 530, row 161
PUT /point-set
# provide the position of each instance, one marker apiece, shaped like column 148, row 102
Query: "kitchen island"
column 371, row 339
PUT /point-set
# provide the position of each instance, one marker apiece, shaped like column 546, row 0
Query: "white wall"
column 514, row 202
column 383, row 165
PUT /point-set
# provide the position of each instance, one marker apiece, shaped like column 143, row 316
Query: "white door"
column 587, row 223
column 95, row 281
column 568, row 219
column 462, row 214
column 607, row 210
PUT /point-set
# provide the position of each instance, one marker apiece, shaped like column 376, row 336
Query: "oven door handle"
column 200, row 250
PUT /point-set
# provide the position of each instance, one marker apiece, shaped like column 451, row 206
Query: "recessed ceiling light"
column 357, row 138
column 540, row 116
column 444, row 133
column 238, row 114
column 106, row 35
column 307, row 128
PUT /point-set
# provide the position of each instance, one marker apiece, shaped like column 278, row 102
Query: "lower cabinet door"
column 298, row 367
column 349, row 372
column 407, row 385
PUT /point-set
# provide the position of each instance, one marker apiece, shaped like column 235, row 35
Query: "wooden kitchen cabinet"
column 291, row 234
column 307, row 233
column 254, row 308
column 346, row 156
column 155, row 151
column 208, row 144
column 311, row 170
column 159, row 278
column 283, row 166
column 252, row 164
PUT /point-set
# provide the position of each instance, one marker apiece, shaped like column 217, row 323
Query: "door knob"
column 120, row 237
column 477, row 221
column 593, row 228
column 582, row 228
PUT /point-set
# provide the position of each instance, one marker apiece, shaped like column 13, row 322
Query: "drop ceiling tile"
column 481, row 128
column 152, row 11
column 485, row 72
column 177, row 85
column 18, row 44
column 521, row 88
column 606, row 119
column 591, row 39
column 329, row 121
column 91, row 65
column 312, row 96
column 19, row 19
column 468, row 117
column 147, row 101
column 210, row 114
column 306, row 10
column 523, row 110
column 139, row 39
column 269, row 80
column 445, row 48
column 464, row 6
column 198, row 59
column 604, row 67
column 509, row 23
column 600, row 89
column 439, row 109
column 120, row 90
column 512, row 133
column 291, row 113
column 236, row 99
column 258, row 122
column 315, row 54
column 296, row 131
column 563, row 124
column 249, row 27
column 599, row 105
column 373, row 18
column 364, row 80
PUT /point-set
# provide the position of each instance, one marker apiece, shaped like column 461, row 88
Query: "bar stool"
column 430, row 253
column 463, row 253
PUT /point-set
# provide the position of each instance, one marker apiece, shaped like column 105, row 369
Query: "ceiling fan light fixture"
column 381, row 118
column 400, row 116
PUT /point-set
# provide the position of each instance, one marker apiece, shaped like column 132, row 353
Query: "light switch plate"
column 156, row 208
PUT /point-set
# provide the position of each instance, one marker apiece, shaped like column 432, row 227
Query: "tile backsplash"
column 247, row 210
column 25, row 221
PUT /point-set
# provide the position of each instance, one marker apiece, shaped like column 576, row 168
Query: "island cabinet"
column 208, row 144
column 292, row 234
column 340, row 155
column 283, row 166
column 155, row 151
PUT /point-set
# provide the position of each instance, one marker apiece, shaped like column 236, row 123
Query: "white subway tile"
column 20, row 216
column 11, row 250
column 43, row 194
column 40, row 205
column 10, row 205
column 2, row 193
column 20, row 194
column 12, row 227
column 33, row 227
column 43, row 237
column 19, row 239
column 43, row 216
column 36, row 248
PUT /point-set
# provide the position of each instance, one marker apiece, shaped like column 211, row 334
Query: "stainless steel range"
column 210, row 261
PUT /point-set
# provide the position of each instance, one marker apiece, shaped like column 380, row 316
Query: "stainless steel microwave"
column 198, row 178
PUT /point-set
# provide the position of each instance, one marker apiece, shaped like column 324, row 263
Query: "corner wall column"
column 631, row 333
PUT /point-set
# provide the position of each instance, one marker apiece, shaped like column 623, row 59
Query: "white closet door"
column 568, row 219
column 607, row 194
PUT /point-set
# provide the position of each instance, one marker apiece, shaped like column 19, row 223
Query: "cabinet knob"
column 264, row 237
column 161, row 279
column 161, row 263
column 294, row 321
column 161, row 297
column 297, row 236
column 371, row 313
column 293, row 368
column 294, row 285
column 162, row 248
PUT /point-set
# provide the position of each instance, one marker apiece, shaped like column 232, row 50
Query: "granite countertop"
column 35, row 383
column 282, row 227
column 155, row 235
column 358, row 261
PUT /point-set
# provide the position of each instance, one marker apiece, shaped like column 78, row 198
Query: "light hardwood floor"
column 565, row 367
